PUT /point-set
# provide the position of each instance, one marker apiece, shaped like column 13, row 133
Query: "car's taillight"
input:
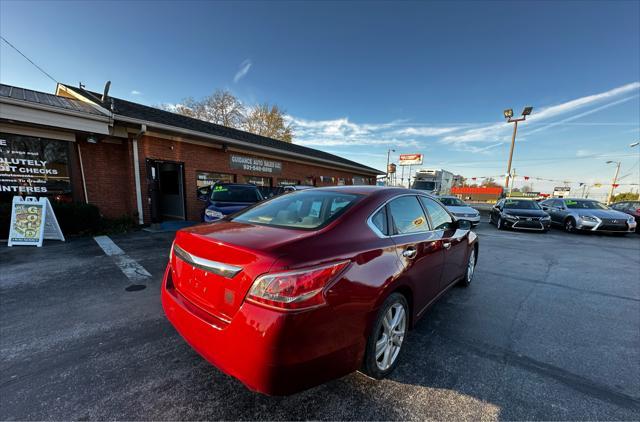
column 295, row 289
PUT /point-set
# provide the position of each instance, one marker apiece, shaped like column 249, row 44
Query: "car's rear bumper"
column 269, row 351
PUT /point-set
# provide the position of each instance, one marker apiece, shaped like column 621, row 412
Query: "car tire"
column 499, row 224
column 570, row 225
column 384, row 345
column 471, row 267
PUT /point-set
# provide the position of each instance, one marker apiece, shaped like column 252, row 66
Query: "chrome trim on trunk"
column 219, row 268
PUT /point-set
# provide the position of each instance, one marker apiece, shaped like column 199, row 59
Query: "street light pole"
column 508, row 114
column 615, row 179
column 513, row 143
column 637, row 144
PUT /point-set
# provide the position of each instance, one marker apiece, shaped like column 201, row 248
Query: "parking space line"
column 128, row 265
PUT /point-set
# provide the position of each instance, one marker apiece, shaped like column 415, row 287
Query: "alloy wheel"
column 569, row 226
column 471, row 266
column 390, row 336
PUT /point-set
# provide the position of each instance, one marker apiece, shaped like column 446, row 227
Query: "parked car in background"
column 522, row 214
column 224, row 199
column 460, row 209
column 587, row 214
column 315, row 284
column 629, row 207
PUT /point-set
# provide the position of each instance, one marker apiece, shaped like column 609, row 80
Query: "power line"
column 28, row 59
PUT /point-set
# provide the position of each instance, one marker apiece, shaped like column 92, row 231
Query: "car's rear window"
column 235, row 193
column 521, row 204
column 584, row 205
column 452, row 202
column 309, row 209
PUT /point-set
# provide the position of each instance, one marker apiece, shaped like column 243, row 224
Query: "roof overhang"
column 14, row 110
column 242, row 144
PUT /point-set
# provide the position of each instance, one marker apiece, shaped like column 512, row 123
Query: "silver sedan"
column 588, row 215
column 460, row 209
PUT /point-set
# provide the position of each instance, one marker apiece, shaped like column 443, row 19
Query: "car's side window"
column 379, row 220
column 440, row 218
column 407, row 216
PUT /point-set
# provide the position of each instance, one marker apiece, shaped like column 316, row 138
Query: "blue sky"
column 358, row 78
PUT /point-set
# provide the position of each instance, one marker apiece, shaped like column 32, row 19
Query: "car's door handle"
column 410, row 252
column 446, row 245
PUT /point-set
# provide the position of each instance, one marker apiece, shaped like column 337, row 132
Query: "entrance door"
column 166, row 190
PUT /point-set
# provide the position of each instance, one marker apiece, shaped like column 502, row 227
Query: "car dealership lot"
column 548, row 330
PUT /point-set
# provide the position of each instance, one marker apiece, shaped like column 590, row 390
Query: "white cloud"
column 500, row 132
column 426, row 131
column 243, row 70
column 343, row 131
column 134, row 92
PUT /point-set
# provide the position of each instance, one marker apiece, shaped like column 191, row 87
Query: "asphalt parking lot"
column 550, row 329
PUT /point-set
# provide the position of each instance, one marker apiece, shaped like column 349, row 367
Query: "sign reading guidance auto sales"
column 258, row 164
column 410, row 159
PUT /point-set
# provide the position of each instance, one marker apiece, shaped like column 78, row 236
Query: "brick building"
column 131, row 159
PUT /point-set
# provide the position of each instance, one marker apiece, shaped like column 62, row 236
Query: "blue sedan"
column 227, row 198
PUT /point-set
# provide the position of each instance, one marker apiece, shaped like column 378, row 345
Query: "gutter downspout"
column 136, row 173
column 84, row 182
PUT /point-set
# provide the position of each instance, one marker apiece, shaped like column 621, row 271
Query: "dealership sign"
column 257, row 164
column 410, row 159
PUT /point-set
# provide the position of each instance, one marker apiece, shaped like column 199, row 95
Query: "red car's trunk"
column 247, row 247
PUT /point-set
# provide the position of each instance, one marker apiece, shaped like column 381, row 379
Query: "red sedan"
column 313, row 285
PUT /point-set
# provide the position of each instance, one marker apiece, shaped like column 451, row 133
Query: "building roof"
column 43, row 98
column 142, row 112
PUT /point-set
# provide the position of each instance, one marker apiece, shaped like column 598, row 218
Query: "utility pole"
column 632, row 145
column 508, row 114
column 512, row 179
column 615, row 179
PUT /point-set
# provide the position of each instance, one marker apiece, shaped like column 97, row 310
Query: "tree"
column 223, row 108
column 527, row 188
column 625, row 196
column 268, row 120
column 490, row 182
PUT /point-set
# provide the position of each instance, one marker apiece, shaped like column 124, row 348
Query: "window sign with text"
column 34, row 166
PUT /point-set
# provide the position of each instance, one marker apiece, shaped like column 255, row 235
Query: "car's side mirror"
column 204, row 193
column 545, row 208
column 463, row 224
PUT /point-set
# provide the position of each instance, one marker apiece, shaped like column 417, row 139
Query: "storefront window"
column 206, row 178
column 341, row 182
column 259, row 181
column 359, row 180
column 309, row 181
column 35, row 167
column 288, row 182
